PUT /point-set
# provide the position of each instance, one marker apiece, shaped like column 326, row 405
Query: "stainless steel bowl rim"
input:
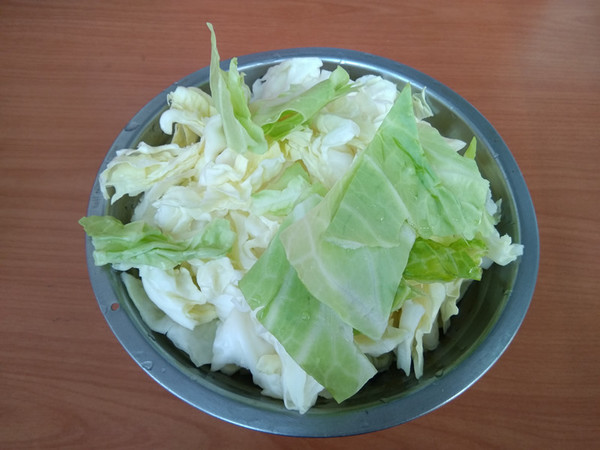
column 248, row 413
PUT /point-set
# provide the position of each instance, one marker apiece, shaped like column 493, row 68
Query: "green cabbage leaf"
column 137, row 244
column 312, row 333
column 280, row 115
column 231, row 95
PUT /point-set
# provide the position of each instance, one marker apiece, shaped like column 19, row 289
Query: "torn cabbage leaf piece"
column 242, row 342
column 289, row 78
column 175, row 292
column 431, row 261
column 500, row 248
column 280, row 196
column 196, row 342
column 189, row 110
column 134, row 171
column 136, row 243
column 231, row 95
column 311, row 332
column 414, row 329
column 281, row 115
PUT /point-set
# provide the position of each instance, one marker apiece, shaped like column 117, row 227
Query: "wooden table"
column 73, row 73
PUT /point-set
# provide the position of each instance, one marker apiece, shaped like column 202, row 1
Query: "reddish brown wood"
column 73, row 73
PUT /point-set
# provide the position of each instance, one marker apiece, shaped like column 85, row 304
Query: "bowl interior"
column 490, row 311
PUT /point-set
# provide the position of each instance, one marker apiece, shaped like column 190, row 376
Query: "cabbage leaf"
column 197, row 342
column 434, row 261
column 310, row 331
column 136, row 243
column 231, row 95
column 137, row 170
column 279, row 117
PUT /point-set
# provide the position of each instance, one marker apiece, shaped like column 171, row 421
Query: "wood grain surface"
column 73, row 73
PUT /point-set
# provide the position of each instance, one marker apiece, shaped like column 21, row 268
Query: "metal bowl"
column 490, row 313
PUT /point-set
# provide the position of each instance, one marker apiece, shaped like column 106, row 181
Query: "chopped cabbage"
column 230, row 95
column 137, row 243
column 310, row 229
column 189, row 110
column 317, row 338
column 281, row 115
